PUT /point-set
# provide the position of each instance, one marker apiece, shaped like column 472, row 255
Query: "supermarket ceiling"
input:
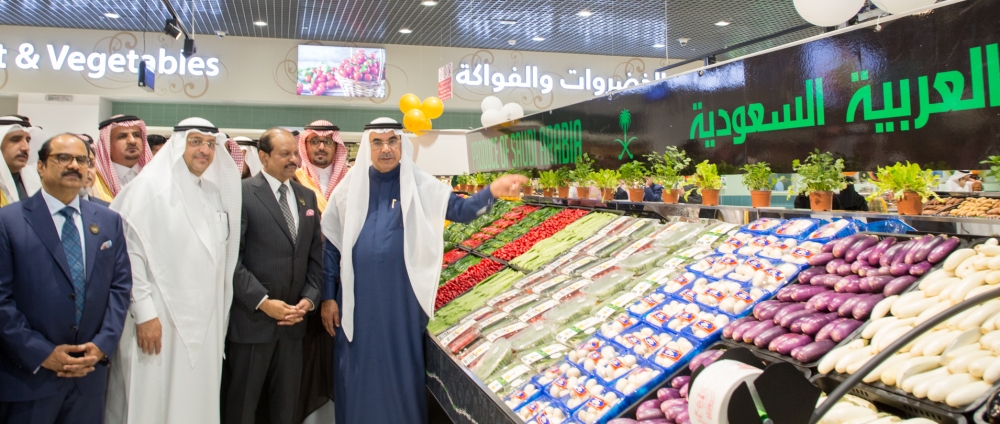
column 600, row 27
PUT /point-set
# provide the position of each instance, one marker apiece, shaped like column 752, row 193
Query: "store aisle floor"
column 435, row 414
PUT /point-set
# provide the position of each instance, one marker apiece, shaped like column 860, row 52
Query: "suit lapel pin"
column 302, row 202
column 94, row 228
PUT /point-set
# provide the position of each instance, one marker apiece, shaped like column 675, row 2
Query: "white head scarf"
column 952, row 183
column 164, row 208
column 424, row 200
column 250, row 157
column 32, row 182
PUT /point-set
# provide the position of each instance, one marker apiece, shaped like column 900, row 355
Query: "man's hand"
column 64, row 365
column 507, row 185
column 330, row 315
column 302, row 308
column 149, row 336
column 282, row 312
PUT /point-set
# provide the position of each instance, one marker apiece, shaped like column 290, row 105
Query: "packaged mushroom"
column 797, row 228
column 527, row 393
column 579, row 354
column 643, row 340
column 839, row 228
column 776, row 276
column 679, row 282
column 580, row 394
column 612, row 364
column 801, row 254
column 647, row 303
column 706, row 324
column 569, row 378
column 779, row 248
column 672, row 352
column 714, row 293
column 749, row 268
column 572, row 334
column 673, row 315
column 716, row 266
column 741, row 300
column 616, row 326
column 551, row 414
column 637, row 379
column 734, row 242
column 554, row 373
column 533, row 408
column 599, row 405
column 763, row 225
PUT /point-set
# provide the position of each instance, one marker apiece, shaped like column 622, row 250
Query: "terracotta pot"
column 821, row 201
column 671, row 196
column 607, row 194
column 710, row 197
column 910, row 205
column 472, row 188
column 528, row 190
column 635, row 194
column 548, row 192
column 583, row 192
column 760, row 198
column 563, row 192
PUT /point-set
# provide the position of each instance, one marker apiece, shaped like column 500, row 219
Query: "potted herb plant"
column 565, row 176
column 634, row 174
column 909, row 185
column 527, row 189
column 549, row 180
column 759, row 180
column 707, row 183
column 581, row 175
column 667, row 169
column 820, row 175
column 607, row 181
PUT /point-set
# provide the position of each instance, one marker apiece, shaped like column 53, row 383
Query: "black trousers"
column 261, row 382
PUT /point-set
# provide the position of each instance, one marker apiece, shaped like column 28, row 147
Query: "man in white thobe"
column 182, row 225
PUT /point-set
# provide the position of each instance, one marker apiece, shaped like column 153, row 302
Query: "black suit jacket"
column 271, row 264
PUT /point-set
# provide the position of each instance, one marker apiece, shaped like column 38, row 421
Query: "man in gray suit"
column 276, row 284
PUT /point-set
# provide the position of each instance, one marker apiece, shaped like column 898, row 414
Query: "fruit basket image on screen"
column 341, row 71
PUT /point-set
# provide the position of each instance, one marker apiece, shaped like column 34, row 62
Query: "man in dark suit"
column 65, row 279
column 277, row 282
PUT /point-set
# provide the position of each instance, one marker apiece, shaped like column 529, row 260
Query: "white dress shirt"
column 125, row 174
column 56, row 205
column 324, row 177
column 289, row 196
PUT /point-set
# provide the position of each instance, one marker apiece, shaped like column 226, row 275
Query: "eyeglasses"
column 199, row 143
column 317, row 141
column 392, row 143
column 64, row 159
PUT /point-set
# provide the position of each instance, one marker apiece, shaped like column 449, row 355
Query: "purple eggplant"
column 764, row 338
column 670, row 405
column 755, row 331
column 852, row 281
column 837, row 300
column 823, row 301
column 811, row 303
column 847, row 307
column 899, row 269
column 680, row 381
column 921, row 254
column 824, row 333
column 843, row 329
column 886, row 270
column 844, row 269
column 921, row 268
column 898, row 285
column 812, row 351
column 863, row 256
column 784, row 344
column 859, row 246
column 684, row 390
column 649, row 409
column 727, row 331
column 821, row 259
column 682, row 418
column 919, row 245
column 812, row 324
column 826, row 280
column 879, row 250
column 806, row 276
column 863, row 308
column 741, row 328
column 786, row 320
column 705, row 358
column 886, row 258
column 828, row 247
column 765, row 307
column 787, row 310
column 831, row 267
column 795, row 325
column 941, row 251
column 841, row 246
column 856, row 266
column 900, row 255
column 800, row 293
column 784, row 294
column 877, row 283
column 667, row 393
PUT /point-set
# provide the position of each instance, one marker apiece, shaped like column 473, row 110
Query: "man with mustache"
column 182, row 224
column 16, row 139
column 65, row 278
column 122, row 152
column 251, row 159
column 277, row 282
column 324, row 159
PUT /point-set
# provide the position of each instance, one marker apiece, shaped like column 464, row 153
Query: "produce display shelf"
column 477, row 253
column 895, row 403
column 463, row 397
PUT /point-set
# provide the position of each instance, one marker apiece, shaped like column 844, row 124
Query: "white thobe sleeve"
column 142, row 307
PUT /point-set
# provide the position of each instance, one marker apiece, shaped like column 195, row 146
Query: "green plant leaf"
column 758, row 176
column 898, row 179
column 819, row 172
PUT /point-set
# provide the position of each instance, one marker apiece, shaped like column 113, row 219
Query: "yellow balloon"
column 408, row 102
column 432, row 107
column 414, row 120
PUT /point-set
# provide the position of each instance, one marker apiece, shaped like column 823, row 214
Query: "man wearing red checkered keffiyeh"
column 237, row 153
column 324, row 159
column 121, row 152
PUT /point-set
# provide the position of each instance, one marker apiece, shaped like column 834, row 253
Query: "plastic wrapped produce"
column 534, row 311
column 579, row 330
column 716, row 266
column 776, row 276
column 546, row 287
column 534, row 278
column 527, row 393
column 485, row 358
column 739, row 301
column 610, row 368
column 839, row 228
column 534, row 407
column 638, row 229
column 550, row 415
column 801, row 254
column 643, row 261
column 504, row 329
column 635, row 247
column 600, row 268
column 616, row 226
column 636, row 379
column 643, row 340
column 543, row 357
column 599, row 405
column 646, row 303
column 609, row 247
column 571, row 310
column 555, row 372
column 577, row 266
column 491, row 320
column 715, row 233
column 505, row 381
column 748, row 268
column 714, row 293
column 756, row 245
column 460, row 336
column 735, row 242
column 609, row 285
column 621, row 323
column 571, row 290
column 778, row 249
column 533, row 336
column 763, row 225
column 706, row 324
column 678, row 233
column 579, row 355
column 679, row 282
column 797, row 228
column 503, row 298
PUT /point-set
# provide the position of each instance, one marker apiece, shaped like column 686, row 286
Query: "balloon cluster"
column 496, row 113
column 827, row 13
column 417, row 115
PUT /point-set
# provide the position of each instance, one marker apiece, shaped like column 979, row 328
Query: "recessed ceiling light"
column 722, row 23
column 584, row 13
column 260, row 23
column 405, row 31
column 111, row 15
column 508, row 21
column 429, row 3
column 538, row 39
column 512, row 42
column 659, row 45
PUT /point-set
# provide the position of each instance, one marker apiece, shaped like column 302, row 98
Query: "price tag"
column 614, row 224
column 706, row 326
column 691, row 252
column 587, row 243
column 688, row 295
column 493, row 319
column 474, row 354
column 707, row 239
column 599, row 269
column 503, row 297
column 673, row 264
column 543, row 353
column 568, row 270
column 570, row 289
column 802, row 253
column 754, row 263
column 642, row 288
column 715, row 293
column 775, row 273
column 530, row 314
column 634, row 247
column 506, row 331
column 446, row 339
column 634, row 227
column 723, row 228
column 658, row 318
column 669, row 354
column 593, row 251
column 742, row 296
column 520, row 302
column 552, row 282
column 580, row 327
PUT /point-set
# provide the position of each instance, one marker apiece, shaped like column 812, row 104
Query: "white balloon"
column 828, row 13
column 492, row 117
column 900, row 6
column 512, row 111
column 492, row 103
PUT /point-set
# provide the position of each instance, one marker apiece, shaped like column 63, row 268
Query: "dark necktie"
column 286, row 211
column 19, row 183
column 74, row 256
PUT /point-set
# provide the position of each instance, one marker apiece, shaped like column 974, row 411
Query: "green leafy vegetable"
column 900, row 178
column 634, row 173
column 819, row 172
column 759, row 177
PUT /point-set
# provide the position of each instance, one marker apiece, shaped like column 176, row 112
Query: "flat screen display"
column 341, row 71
